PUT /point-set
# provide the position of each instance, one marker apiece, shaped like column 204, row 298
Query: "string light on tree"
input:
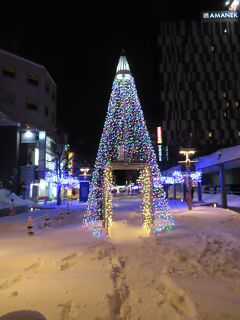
column 125, row 138
column 107, row 186
column 179, row 177
column 146, row 198
column 66, row 181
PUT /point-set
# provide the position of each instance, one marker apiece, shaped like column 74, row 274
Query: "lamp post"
column 187, row 152
column 84, row 171
column 84, row 185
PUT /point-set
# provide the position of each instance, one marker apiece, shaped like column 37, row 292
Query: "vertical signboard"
column 160, row 152
column 70, row 164
column 42, row 154
column 159, row 143
column 159, row 135
column 83, row 191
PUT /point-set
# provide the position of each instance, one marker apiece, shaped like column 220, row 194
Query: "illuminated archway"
column 147, row 197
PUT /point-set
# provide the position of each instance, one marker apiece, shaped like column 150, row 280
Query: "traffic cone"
column 47, row 222
column 12, row 210
column 30, row 226
column 68, row 209
column 61, row 217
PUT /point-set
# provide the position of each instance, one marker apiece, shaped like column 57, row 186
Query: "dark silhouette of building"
column 199, row 83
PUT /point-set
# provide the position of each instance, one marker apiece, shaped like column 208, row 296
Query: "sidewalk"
column 19, row 209
column 59, row 218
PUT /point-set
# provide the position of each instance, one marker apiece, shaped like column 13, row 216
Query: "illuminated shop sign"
column 70, row 162
column 220, row 16
column 28, row 136
column 160, row 153
column 159, row 135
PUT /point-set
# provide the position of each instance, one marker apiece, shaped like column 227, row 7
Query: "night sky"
column 80, row 47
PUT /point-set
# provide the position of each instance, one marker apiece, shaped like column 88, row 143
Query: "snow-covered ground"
column 7, row 199
column 232, row 199
column 64, row 273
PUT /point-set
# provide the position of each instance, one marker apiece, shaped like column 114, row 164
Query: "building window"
column 32, row 79
column 236, row 104
column 225, row 94
column 46, row 111
column 212, row 48
column 9, row 71
column 7, row 99
column 210, row 134
column 239, row 133
column 227, row 104
column 225, row 114
column 50, row 162
column 31, row 104
column 46, row 88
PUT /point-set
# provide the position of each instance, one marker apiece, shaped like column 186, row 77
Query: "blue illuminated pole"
column 84, row 185
column 188, row 185
column 199, row 191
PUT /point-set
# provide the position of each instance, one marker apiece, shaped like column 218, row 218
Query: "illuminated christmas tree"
column 125, row 138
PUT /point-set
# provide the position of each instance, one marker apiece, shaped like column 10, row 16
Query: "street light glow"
column 85, row 171
column 187, row 152
column 232, row 5
column 28, row 134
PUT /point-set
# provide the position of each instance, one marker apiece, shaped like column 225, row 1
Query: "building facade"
column 27, row 92
column 9, row 146
column 28, row 97
column 199, row 80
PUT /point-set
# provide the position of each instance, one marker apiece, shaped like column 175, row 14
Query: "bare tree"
column 61, row 175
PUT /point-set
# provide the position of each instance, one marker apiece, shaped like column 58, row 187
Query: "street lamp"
column 84, row 171
column 187, row 162
column 84, row 185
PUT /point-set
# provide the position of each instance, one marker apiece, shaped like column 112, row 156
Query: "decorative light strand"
column 146, row 198
column 125, row 130
column 66, row 181
column 179, row 177
column 108, row 181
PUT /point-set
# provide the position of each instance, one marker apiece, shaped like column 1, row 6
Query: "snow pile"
column 218, row 157
column 6, row 199
column 232, row 199
column 192, row 272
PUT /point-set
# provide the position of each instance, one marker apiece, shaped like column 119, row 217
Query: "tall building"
column 199, row 79
column 28, row 112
